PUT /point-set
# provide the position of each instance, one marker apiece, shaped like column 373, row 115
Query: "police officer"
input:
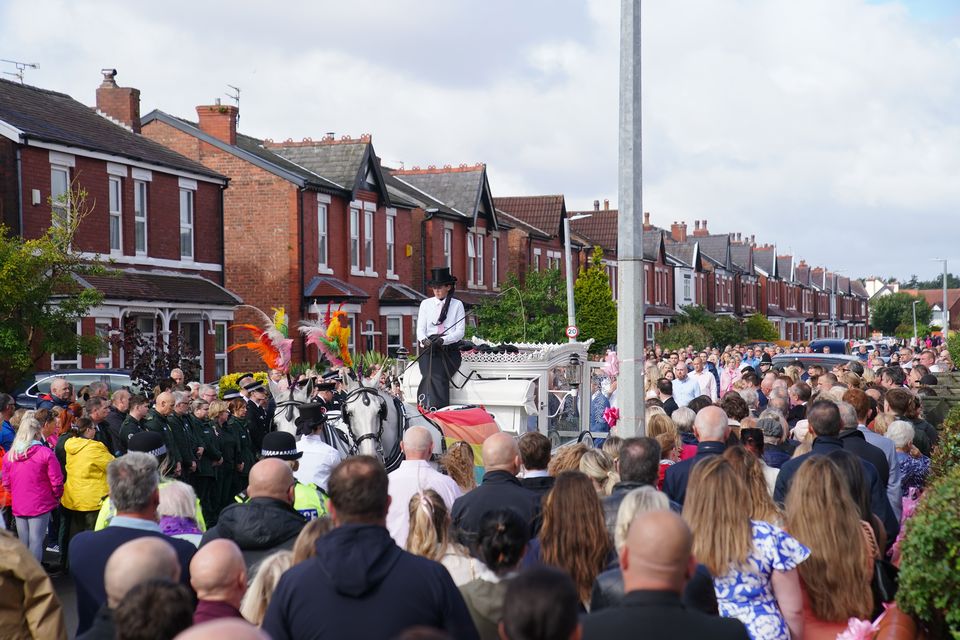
column 308, row 499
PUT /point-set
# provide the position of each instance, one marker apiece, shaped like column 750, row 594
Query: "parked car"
column 27, row 392
column 836, row 345
column 826, row 360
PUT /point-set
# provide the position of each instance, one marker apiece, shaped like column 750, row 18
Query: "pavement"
column 63, row 585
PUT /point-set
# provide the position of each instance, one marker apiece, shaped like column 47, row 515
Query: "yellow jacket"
column 86, row 484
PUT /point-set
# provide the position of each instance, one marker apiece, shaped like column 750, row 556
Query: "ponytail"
column 428, row 525
column 446, row 304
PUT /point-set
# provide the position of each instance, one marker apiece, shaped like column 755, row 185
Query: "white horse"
column 288, row 403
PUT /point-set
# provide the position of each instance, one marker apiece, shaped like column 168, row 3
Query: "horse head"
column 288, row 403
column 364, row 412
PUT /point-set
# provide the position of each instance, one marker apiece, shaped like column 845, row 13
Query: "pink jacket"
column 35, row 482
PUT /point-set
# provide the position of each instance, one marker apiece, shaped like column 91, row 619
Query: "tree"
column 40, row 299
column 727, row 331
column 535, row 311
column 150, row 360
column 759, row 328
column 596, row 310
column 683, row 334
column 889, row 312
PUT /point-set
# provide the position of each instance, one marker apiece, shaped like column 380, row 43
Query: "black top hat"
column 250, row 387
column 327, row 385
column 333, row 374
column 311, row 415
column 232, row 395
column 280, row 444
column 440, row 276
column 147, row 442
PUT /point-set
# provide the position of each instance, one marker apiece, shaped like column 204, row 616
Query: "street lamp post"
column 571, row 309
column 944, row 313
column 915, row 302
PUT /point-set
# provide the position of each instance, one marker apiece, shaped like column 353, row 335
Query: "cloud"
column 828, row 127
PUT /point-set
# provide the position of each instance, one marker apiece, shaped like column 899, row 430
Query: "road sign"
column 572, row 332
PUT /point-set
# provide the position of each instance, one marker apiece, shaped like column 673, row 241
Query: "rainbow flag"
column 472, row 426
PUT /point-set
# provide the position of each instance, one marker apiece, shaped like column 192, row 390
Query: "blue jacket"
column 7, row 434
column 675, row 480
column 362, row 585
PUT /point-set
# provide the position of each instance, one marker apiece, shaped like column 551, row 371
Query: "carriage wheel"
column 554, row 436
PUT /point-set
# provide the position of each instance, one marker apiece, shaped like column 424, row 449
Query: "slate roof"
column 400, row 190
column 460, row 189
column 545, row 213
column 255, row 146
column 683, row 252
column 394, row 293
column 330, row 288
column 651, row 245
column 128, row 284
column 784, row 268
column 339, row 161
column 53, row 117
column 857, row 289
column 801, row 274
column 764, row 258
column 741, row 257
column 716, row 248
column 600, row 228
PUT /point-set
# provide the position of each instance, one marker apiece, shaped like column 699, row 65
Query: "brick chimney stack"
column 646, row 221
column 219, row 121
column 606, row 205
column 701, row 230
column 120, row 103
column 678, row 231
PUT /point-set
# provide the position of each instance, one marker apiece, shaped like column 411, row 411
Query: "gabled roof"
column 394, row 293
column 653, row 246
column 687, row 254
column 349, row 163
column 765, row 261
column 401, row 192
column 857, row 289
column 542, row 212
column 741, row 255
column 843, row 285
column 130, row 284
column 785, row 268
column 516, row 223
column 801, row 273
column 33, row 114
column 599, row 229
column 464, row 189
column 330, row 288
column 716, row 248
column 249, row 149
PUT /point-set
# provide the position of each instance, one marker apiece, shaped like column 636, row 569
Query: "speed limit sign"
column 572, row 332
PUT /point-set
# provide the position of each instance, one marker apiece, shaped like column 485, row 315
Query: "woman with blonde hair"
column 611, row 447
column 256, row 600
column 821, row 515
column 659, row 423
column 650, row 376
column 429, row 537
column 305, row 546
column 178, row 512
column 749, row 467
column 457, row 462
column 753, row 563
column 566, row 458
column 599, row 467
column 579, row 545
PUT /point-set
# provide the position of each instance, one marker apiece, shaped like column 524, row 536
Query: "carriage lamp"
column 575, row 369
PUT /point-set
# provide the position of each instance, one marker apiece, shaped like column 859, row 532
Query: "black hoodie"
column 362, row 585
column 258, row 526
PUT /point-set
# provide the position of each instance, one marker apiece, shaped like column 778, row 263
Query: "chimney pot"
column 596, row 205
column 646, row 217
column 120, row 103
column 606, row 204
column 696, row 224
column 219, row 121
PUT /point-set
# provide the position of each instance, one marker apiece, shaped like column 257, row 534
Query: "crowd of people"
column 760, row 503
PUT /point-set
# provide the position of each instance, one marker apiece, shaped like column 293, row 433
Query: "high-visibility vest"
column 308, row 500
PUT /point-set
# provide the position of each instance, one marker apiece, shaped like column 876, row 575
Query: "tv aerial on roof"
column 236, row 98
column 21, row 67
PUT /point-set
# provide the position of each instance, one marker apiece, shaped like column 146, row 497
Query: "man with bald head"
column 158, row 420
column 223, row 628
column 61, row 393
column 131, row 564
column 710, row 427
column 657, row 561
column 219, row 576
column 500, row 489
column 267, row 522
column 414, row 475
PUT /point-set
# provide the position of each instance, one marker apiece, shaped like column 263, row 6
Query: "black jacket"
column 670, row 405
column 102, row 628
column 114, row 422
column 659, row 614
column 362, row 585
column 823, row 445
column 698, row 594
column 128, row 429
column 540, row 486
column 675, row 480
column 259, row 526
column 855, row 442
column 161, row 424
column 499, row 490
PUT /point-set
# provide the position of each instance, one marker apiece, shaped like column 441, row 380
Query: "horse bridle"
column 364, row 394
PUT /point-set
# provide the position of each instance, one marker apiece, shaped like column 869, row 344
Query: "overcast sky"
column 830, row 128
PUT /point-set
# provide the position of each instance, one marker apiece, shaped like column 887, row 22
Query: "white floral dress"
column 745, row 592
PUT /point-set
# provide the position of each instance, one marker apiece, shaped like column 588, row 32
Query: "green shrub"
column 759, row 328
column 946, row 455
column 953, row 346
column 681, row 335
column 930, row 562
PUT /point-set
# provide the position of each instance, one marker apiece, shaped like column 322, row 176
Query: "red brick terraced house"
column 689, row 275
column 721, row 275
column 765, row 265
column 790, row 300
column 455, row 222
column 536, row 240
column 308, row 225
column 860, row 310
column 823, row 301
column 598, row 228
column 156, row 214
column 747, row 284
column 808, row 297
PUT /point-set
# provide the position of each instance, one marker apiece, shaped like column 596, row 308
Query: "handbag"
column 884, row 584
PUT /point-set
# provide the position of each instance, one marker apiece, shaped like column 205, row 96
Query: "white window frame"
column 494, row 262
column 102, row 328
column 536, row 259
column 220, row 348
column 479, row 273
column 650, row 332
column 59, row 212
column 352, row 341
column 66, row 363
column 386, row 331
column 355, row 240
column 448, row 247
column 140, row 216
column 368, row 247
column 187, row 221
column 687, row 288
column 323, row 237
column 115, row 207
column 553, row 260
column 471, row 259
column 390, row 239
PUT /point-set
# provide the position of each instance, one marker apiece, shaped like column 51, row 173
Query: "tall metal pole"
column 630, row 316
column 945, row 313
column 571, row 310
column 915, row 322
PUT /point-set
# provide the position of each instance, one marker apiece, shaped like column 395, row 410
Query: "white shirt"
column 317, row 462
column 427, row 320
column 411, row 477
column 708, row 384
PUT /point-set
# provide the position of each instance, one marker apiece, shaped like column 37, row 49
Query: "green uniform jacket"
column 129, row 427
column 183, row 436
column 230, row 446
column 159, row 424
column 247, row 455
column 204, row 434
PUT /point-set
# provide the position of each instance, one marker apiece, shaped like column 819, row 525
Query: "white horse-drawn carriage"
column 524, row 387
